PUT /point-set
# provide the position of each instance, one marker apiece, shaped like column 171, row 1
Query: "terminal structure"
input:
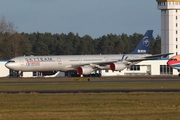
column 170, row 25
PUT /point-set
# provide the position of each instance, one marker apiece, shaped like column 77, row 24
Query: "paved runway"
column 92, row 91
column 55, row 82
column 101, row 79
column 90, row 79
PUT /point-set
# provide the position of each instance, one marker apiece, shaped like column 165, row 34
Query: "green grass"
column 67, row 84
column 89, row 85
column 91, row 106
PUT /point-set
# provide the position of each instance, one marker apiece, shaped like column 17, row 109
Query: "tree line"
column 14, row 44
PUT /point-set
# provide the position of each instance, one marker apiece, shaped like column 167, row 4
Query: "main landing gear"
column 19, row 74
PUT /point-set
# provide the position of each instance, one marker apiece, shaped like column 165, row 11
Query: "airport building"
column 149, row 67
column 170, row 25
column 4, row 72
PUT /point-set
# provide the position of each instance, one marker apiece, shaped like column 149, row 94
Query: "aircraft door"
column 106, row 59
column 80, row 61
column 59, row 61
column 21, row 61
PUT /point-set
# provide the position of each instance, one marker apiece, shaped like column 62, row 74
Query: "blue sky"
column 85, row 17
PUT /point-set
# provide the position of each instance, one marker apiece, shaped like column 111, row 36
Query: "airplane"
column 174, row 62
column 85, row 64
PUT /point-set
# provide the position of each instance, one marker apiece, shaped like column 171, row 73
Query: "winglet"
column 167, row 54
column 143, row 46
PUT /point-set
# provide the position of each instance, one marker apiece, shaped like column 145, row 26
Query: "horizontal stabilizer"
column 159, row 55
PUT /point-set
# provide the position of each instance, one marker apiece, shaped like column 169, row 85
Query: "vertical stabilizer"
column 143, row 46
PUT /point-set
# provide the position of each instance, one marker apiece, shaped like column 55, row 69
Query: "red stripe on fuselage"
column 172, row 62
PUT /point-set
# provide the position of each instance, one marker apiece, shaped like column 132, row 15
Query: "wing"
column 97, row 64
column 116, row 65
column 105, row 63
column 151, row 57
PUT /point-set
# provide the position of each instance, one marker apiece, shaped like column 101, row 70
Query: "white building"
column 170, row 25
column 149, row 67
column 4, row 72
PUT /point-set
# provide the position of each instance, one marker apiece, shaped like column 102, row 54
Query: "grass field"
column 89, row 85
column 90, row 106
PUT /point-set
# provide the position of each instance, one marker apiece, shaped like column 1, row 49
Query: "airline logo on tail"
column 146, row 41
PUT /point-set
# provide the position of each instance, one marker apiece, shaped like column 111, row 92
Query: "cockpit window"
column 173, row 59
column 11, row 61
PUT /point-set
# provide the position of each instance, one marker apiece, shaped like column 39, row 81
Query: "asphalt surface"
column 100, row 79
column 92, row 91
column 90, row 79
column 97, row 81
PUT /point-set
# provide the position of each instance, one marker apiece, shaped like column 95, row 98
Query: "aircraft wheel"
column 179, row 75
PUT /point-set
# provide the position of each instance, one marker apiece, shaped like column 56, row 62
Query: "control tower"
column 170, row 26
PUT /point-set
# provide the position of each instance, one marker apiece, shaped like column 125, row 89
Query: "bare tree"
column 9, row 39
column 7, row 27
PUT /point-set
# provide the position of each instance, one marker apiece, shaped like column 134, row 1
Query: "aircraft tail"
column 143, row 46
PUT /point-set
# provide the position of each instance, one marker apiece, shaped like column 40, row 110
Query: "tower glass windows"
column 170, row 25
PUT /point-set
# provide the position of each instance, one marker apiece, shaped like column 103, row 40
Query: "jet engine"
column 117, row 66
column 84, row 70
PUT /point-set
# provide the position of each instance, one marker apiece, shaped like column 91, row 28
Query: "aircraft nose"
column 7, row 65
column 10, row 65
column 168, row 63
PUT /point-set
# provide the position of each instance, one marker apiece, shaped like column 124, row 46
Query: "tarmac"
column 92, row 79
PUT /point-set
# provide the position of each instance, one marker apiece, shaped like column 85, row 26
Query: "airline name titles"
column 38, row 59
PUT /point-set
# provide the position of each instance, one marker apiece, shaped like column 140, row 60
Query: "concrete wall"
column 151, row 67
column 27, row 74
column 4, row 72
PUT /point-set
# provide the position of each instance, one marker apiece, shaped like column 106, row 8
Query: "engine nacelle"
column 84, row 70
column 117, row 66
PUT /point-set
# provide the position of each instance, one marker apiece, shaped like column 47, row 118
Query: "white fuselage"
column 66, row 62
